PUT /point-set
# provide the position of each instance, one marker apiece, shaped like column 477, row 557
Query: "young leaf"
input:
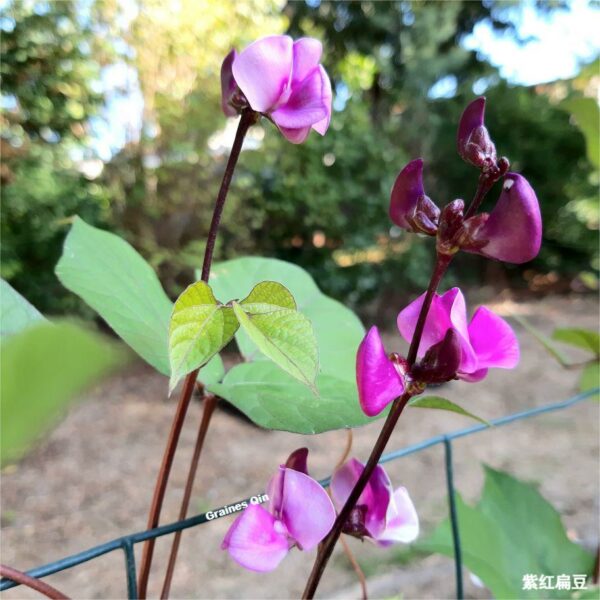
column 200, row 327
column 337, row 328
column 586, row 339
column 542, row 339
column 16, row 313
column 43, row 368
column 443, row 404
column 275, row 400
column 281, row 333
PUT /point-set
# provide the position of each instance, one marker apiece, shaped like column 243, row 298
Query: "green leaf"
column 200, row 327
column 43, row 368
column 512, row 531
column 543, row 339
column 586, row 339
column 279, row 331
column 590, row 379
column 16, row 313
column 587, row 116
column 110, row 276
column 444, row 404
column 275, row 400
column 337, row 328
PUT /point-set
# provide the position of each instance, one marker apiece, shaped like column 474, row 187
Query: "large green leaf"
column 337, row 328
column 511, row 532
column 275, row 400
column 110, row 276
column 280, row 332
column 43, row 368
column 200, row 327
column 586, row 339
column 443, row 404
column 16, row 313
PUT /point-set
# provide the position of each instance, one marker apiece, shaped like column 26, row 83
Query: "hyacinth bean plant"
column 283, row 81
column 299, row 346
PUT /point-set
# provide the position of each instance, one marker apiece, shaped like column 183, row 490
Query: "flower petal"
column 306, row 509
column 296, row 136
column 305, row 106
column 514, row 227
column 307, row 54
column 228, row 84
column 254, row 542
column 407, row 189
column 471, row 119
column 263, row 71
column 447, row 310
column 377, row 379
column 402, row 520
column 493, row 340
column 322, row 126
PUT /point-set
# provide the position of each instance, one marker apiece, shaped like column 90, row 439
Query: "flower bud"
column 473, row 140
column 410, row 208
column 441, row 362
column 451, row 222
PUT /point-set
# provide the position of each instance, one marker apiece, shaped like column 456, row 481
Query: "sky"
column 554, row 47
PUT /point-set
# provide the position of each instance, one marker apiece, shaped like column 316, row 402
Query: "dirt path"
column 92, row 479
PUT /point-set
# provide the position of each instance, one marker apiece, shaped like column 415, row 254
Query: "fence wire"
column 127, row 542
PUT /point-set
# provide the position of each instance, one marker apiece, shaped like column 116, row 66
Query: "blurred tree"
column 48, row 95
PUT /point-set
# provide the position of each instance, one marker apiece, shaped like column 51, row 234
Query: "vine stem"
column 247, row 119
column 328, row 544
column 209, row 404
column 31, row 582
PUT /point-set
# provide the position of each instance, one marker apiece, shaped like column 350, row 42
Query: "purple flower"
column 512, row 232
column 487, row 341
column 283, row 80
column 410, row 208
column 299, row 513
column 473, row 140
column 379, row 378
column 381, row 514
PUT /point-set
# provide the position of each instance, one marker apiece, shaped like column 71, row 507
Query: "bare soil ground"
column 91, row 480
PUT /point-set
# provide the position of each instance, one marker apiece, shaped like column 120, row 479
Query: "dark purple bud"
column 297, row 460
column 451, row 222
column 229, row 88
column 355, row 524
column 410, row 208
column 473, row 140
column 441, row 362
column 512, row 232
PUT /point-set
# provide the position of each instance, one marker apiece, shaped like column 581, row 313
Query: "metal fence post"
column 453, row 518
column 127, row 546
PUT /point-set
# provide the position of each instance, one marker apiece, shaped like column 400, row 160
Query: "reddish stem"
column 247, row 119
column 31, row 582
column 328, row 544
column 209, row 404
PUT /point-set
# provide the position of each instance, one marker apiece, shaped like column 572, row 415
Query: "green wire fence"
column 127, row 542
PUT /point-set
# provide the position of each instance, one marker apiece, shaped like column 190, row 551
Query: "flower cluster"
column 451, row 347
column 283, row 80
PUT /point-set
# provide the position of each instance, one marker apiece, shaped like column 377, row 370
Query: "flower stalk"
column 247, row 119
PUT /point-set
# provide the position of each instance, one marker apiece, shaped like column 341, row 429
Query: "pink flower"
column 512, row 232
column 486, row 341
column 379, row 379
column 381, row 514
column 299, row 513
column 284, row 81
